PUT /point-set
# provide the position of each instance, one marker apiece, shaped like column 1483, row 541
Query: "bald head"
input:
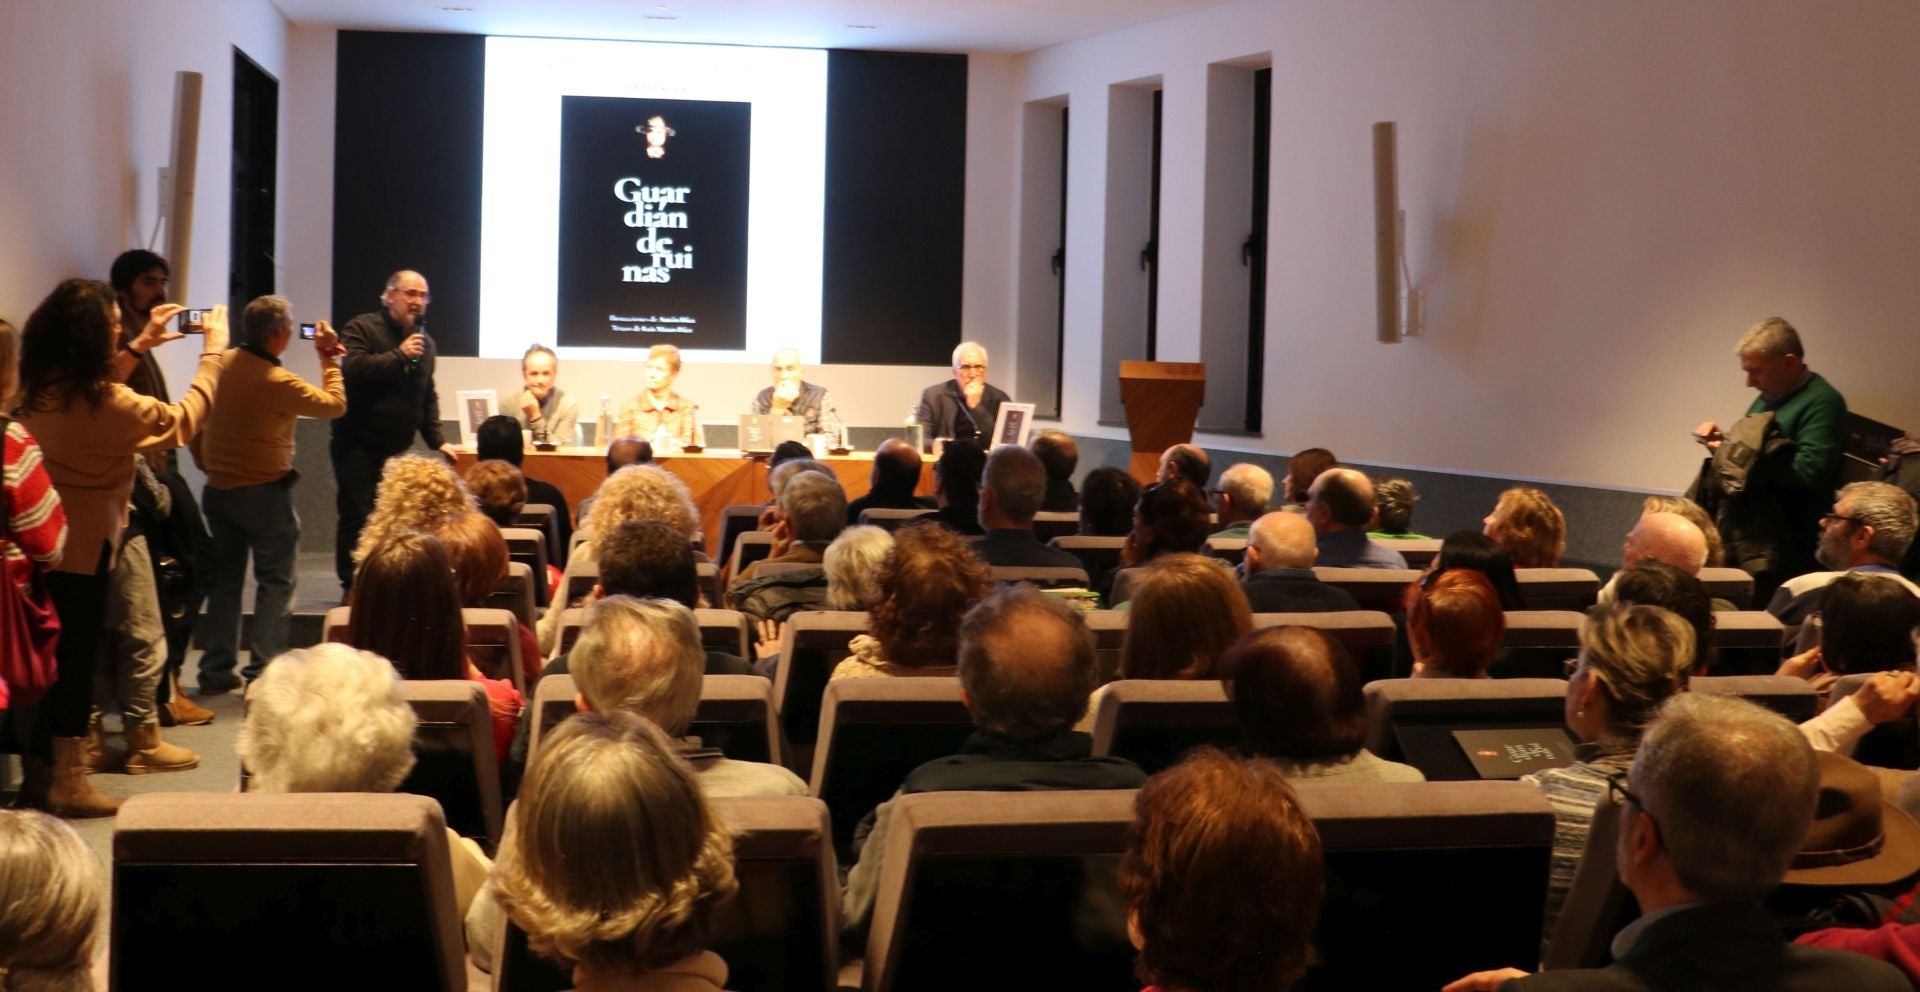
column 896, row 467
column 1666, row 537
column 1188, row 462
column 1340, row 499
column 1280, row 540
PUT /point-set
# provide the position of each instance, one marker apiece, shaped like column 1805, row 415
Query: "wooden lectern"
column 1163, row 401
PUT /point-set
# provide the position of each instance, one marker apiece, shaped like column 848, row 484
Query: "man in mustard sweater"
column 246, row 450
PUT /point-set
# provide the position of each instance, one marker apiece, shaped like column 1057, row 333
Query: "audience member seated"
column 613, row 864
column 637, row 492
column 1656, row 583
column 624, row 451
column 1871, row 525
column 1663, row 537
column 1012, row 488
column 890, row 486
column 1393, row 502
column 499, row 438
column 1474, row 551
column 1279, row 566
column 1302, row 469
column 479, row 556
column 1705, row 763
column 956, row 486
column 1454, row 625
column 1632, row 659
column 1026, row 671
column 853, row 563
column 1185, row 461
column 925, row 590
column 1716, row 551
column 405, row 607
column 501, row 491
column 1186, row 611
column 1171, row 517
column 1107, row 498
column 415, row 492
column 789, row 459
column 1340, row 506
column 1300, row 703
column 1244, row 493
column 50, row 888
column 1866, row 623
column 1061, row 455
column 1531, row 529
column 811, row 511
column 1222, row 877
column 332, row 719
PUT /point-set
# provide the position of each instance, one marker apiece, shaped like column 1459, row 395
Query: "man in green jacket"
column 1811, row 414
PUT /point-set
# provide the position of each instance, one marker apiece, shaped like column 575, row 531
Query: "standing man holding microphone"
column 388, row 369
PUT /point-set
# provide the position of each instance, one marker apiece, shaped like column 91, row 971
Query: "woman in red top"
column 33, row 525
column 406, row 608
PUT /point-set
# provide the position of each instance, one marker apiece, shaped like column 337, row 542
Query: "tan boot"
column 181, row 711
column 71, row 795
column 146, row 752
column 101, row 756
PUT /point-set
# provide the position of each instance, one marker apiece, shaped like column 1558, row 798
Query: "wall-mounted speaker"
column 177, row 179
column 1386, row 233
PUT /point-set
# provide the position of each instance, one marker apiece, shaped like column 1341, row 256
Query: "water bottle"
column 603, row 430
column 916, row 432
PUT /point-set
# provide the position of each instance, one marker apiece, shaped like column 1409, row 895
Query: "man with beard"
column 1868, row 531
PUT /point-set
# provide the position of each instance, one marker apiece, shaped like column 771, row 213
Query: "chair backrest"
column 1735, row 585
column 1357, row 630
column 1109, row 636
column 546, row 520
column 720, row 630
column 493, row 638
column 529, row 547
column 890, row 518
column 1557, row 588
column 1124, row 580
column 347, row 888
column 1045, row 578
column 1790, row 697
column 582, row 575
column 553, row 702
column 951, row 861
column 1418, row 551
column 1481, row 850
column 453, row 751
column 1232, row 549
column 515, row 593
column 1155, row 722
column 811, row 644
column 1413, row 720
column 1049, row 524
column 334, row 627
column 779, row 931
column 873, row 732
column 749, row 547
column 736, row 520
column 1537, row 644
column 1098, row 555
column 1747, row 642
column 1596, row 901
column 735, row 715
column 707, row 574
column 1374, row 588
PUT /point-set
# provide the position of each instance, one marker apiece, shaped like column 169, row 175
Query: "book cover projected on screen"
column 653, row 222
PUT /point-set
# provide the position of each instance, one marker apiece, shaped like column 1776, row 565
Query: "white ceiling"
column 1004, row 26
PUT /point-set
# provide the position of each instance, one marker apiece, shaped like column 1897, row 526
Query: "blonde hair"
column 49, row 904
column 668, row 352
column 639, row 492
column 1185, row 613
column 1716, row 552
column 641, row 655
column 613, row 861
column 327, row 719
column 853, row 563
column 1639, row 656
column 1532, row 530
column 416, row 492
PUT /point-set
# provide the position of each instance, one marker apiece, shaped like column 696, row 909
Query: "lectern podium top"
column 1162, row 400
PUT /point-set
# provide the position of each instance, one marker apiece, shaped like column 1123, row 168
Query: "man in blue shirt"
column 1340, row 506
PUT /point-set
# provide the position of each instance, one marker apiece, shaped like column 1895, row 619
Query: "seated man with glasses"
column 965, row 406
column 1871, row 525
column 1713, row 813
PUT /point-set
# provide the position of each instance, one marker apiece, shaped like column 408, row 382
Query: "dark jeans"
column 81, row 601
column 356, row 471
column 257, row 520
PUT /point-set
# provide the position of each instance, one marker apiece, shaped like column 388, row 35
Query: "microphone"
column 420, row 328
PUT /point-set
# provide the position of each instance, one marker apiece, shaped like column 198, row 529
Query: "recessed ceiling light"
column 864, row 27
column 663, row 17
column 458, row 10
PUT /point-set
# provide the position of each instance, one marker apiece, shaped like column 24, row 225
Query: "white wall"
column 87, row 114
column 1600, row 198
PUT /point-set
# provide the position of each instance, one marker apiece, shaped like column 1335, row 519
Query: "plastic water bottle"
column 916, row 432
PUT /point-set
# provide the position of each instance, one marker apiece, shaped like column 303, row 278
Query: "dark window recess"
column 1150, row 255
column 1060, row 281
column 256, row 126
column 1254, row 254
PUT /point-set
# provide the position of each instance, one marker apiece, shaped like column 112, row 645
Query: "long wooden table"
column 718, row 478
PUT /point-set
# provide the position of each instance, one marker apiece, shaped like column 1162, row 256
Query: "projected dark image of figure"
column 388, row 369
column 966, row 406
column 541, row 405
column 792, row 396
column 660, row 416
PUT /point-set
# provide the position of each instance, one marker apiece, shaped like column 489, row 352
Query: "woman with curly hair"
column 49, row 904
column 925, row 589
column 636, row 492
column 1529, row 526
column 416, row 492
column 613, row 863
column 501, row 490
column 1186, row 611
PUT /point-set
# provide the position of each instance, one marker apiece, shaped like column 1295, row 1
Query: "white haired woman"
column 49, row 904
column 332, row 719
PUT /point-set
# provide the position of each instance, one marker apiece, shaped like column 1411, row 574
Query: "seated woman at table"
column 661, row 416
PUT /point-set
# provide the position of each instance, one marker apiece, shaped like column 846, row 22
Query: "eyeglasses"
column 1828, row 518
column 970, row 368
column 413, row 294
column 1617, row 791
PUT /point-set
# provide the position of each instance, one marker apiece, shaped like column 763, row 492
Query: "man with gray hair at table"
column 964, row 406
column 1712, row 814
column 792, row 396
